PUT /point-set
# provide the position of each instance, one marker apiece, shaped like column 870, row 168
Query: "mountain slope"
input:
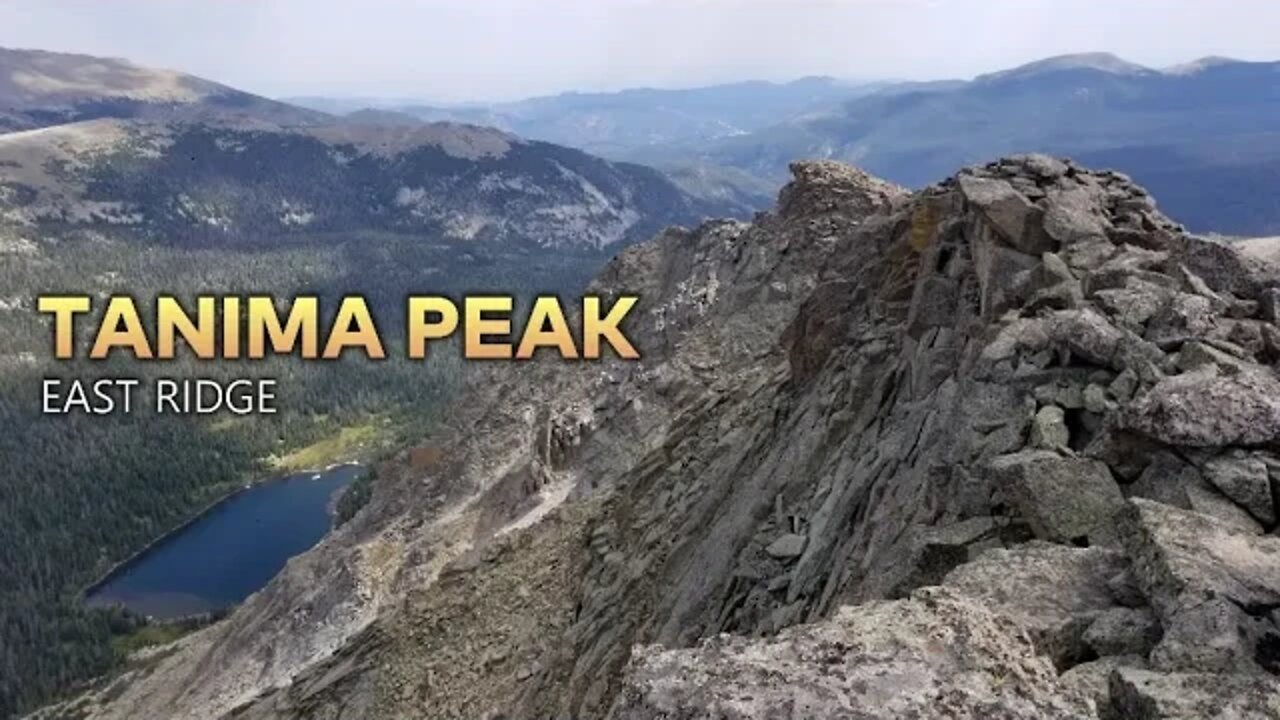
column 40, row 88
column 661, row 128
column 1183, row 131
column 1003, row 447
column 218, row 183
column 180, row 187
column 144, row 208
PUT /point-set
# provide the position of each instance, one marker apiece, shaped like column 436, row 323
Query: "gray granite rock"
column 787, row 547
column 1049, row 429
column 847, row 370
column 1205, row 410
column 1013, row 216
column 1062, row 498
column 1144, row 695
column 1203, row 579
column 1244, row 479
column 1054, row 592
column 1071, row 217
column 1124, row 631
column 938, row 654
column 1182, row 558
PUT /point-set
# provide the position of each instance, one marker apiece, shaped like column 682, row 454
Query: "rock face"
column 1142, row 695
column 992, row 449
column 1204, row 410
column 1062, row 498
column 937, row 654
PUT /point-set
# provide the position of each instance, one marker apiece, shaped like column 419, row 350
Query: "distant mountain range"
column 1204, row 136
column 107, row 145
column 1071, row 104
column 623, row 124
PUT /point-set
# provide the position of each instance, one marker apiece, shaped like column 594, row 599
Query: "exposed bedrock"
column 1008, row 447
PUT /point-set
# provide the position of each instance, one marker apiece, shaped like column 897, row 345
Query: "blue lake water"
column 231, row 551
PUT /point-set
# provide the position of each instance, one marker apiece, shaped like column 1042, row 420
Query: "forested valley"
column 79, row 494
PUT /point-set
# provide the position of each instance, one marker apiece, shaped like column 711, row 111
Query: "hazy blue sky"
column 488, row 49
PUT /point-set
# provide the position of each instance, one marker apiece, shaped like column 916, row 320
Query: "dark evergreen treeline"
column 80, row 494
column 356, row 496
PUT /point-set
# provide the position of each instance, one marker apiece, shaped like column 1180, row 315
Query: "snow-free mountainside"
column 1004, row 447
column 1201, row 135
column 1003, row 443
column 118, row 179
column 39, row 89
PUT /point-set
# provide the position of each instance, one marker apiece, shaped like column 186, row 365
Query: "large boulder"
column 1207, row 410
column 1210, row 584
column 1062, row 498
column 1171, row 480
column 1142, row 695
column 1224, row 268
column 1092, row 337
column 1123, row 631
column 1015, row 218
column 1088, row 334
column 1001, row 272
column 1183, row 558
column 1215, row 636
column 1055, row 592
column 1071, row 216
column 1244, row 479
column 938, row 654
column 1094, row 679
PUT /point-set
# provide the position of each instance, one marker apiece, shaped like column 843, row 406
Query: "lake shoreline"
column 120, row 567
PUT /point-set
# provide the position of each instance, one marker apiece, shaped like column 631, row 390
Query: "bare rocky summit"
column 1008, row 447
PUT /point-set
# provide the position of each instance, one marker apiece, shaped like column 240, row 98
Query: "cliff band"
column 1008, row 447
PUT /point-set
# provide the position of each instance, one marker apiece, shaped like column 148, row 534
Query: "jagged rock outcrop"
column 934, row 655
column 993, row 449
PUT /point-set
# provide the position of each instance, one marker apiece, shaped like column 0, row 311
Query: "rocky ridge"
column 1006, row 447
